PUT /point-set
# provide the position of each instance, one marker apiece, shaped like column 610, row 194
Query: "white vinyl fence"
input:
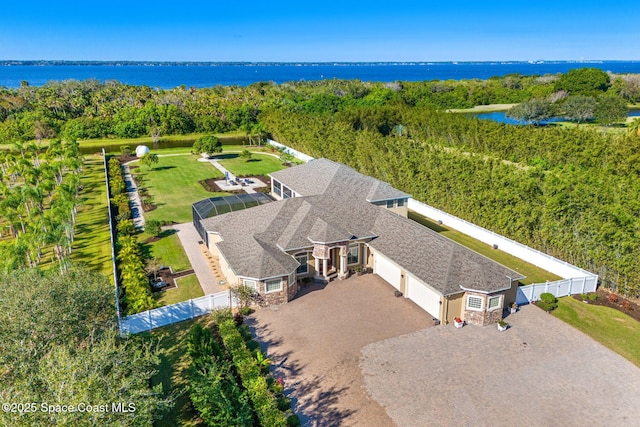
column 175, row 313
column 575, row 279
column 295, row 153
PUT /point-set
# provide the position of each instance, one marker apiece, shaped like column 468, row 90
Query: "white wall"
column 533, row 256
column 295, row 153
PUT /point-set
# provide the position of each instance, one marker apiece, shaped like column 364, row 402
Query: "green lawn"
column 169, row 250
column 112, row 145
column 612, row 328
column 173, row 185
column 533, row 274
column 188, row 288
column 172, row 371
column 259, row 164
column 92, row 245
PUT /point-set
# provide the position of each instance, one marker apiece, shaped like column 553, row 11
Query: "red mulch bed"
column 615, row 301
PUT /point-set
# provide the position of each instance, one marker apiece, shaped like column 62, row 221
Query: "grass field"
column 169, row 250
column 172, row 371
column 188, row 288
column 259, row 164
column 173, row 185
column 92, row 245
column 613, row 329
column 533, row 274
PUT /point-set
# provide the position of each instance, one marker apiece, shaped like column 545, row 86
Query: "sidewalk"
column 189, row 238
column 134, row 198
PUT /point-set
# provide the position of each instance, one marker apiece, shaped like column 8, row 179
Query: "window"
column 277, row 187
column 250, row 284
column 474, row 302
column 286, row 192
column 389, row 204
column 303, row 259
column 401, row 202
column 352, row 254
column 273, row 285
column 494, row 302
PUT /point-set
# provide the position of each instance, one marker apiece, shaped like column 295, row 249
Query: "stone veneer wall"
column 281, row 297
column 484, row 317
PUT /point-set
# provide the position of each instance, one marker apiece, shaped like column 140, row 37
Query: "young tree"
column 246, row 155
column 149, row 160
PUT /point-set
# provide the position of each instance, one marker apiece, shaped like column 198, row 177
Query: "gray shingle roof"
column 436, row 260
column 322, row 175
column 254, row 240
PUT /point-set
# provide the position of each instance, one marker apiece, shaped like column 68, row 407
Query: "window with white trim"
column 494, row 302
column 303, row 259
column 273, row 285
column 352, row 254
column 250, row 284
column 401, row 202
column 475, row 302
column 389, row 204
column 286, row 192
column 277, row 187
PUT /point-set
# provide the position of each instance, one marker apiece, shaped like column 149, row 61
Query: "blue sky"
column 319, row 31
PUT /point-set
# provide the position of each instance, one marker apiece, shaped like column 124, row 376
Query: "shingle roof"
column 254, row 240
column 322, row 175
column 436, row 260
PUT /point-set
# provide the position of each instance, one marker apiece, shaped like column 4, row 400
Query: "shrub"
column 153, row 227
column 613, row 298
column 125, row 226
column 548, row 298
column 548, row 302
column 593, row 296
column 626, row 305
column 583, row 297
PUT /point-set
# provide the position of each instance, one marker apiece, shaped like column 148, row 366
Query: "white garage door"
column 387, row 270
column 423, row 296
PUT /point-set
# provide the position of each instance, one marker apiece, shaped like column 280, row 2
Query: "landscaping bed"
column 612, row 300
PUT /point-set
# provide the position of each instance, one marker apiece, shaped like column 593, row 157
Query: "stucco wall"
column 454, row 308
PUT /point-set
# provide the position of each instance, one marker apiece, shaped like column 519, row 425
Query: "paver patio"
column 315, row 342
column 540, row 372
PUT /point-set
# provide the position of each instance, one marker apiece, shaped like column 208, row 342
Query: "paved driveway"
column 540, row 372
column 315, row 341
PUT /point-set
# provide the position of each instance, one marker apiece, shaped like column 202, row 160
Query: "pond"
column 501, row 117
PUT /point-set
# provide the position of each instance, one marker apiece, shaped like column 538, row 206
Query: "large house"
column 327, row 221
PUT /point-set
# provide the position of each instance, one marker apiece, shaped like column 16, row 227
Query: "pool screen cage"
column 220, row 205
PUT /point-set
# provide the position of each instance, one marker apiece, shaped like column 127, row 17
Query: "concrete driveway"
column 315, row 342
column 540, row 372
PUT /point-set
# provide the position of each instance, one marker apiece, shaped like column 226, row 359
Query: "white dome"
column 141, row 150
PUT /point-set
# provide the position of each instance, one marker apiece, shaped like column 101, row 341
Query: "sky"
column 319, row 31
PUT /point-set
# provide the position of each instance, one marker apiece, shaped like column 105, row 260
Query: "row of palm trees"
column 39, row 188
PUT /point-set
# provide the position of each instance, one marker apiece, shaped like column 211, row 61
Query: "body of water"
column 206, row 75
column 501, row 117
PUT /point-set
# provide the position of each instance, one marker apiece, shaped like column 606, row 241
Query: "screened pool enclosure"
column 220, row 205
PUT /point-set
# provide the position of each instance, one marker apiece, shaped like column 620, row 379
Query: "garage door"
column 427, row 299
column 387, row 270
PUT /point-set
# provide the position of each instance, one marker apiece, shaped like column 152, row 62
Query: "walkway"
column 189, row 238
column 134, row 198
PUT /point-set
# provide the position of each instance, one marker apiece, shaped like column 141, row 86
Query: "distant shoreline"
column 44, row 62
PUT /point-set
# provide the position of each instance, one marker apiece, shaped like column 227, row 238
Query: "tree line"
column 571, row 193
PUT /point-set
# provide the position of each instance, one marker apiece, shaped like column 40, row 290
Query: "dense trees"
column 60, row 346
column 569, row 192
